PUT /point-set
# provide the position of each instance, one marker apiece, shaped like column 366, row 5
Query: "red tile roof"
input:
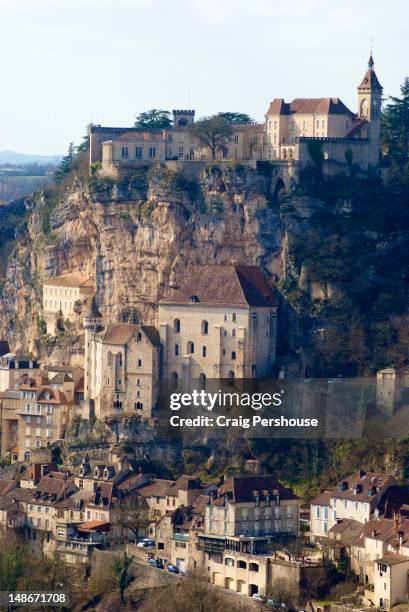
column 309, row 106
column 243, row 488
column 230, row 285
column 71, row 279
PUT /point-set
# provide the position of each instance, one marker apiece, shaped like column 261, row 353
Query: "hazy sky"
column 65, row 63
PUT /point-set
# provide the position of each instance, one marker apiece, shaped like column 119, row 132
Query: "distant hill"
column 11, row 157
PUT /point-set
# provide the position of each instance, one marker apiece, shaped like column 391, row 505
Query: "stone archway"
column 279, row 189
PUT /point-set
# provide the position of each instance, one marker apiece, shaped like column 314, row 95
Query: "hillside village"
column 84, row 473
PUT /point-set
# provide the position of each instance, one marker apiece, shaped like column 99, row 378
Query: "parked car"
column 173, row 569
column 258, row 597
column 146, row 543
column 275, row 603
column 156, row 563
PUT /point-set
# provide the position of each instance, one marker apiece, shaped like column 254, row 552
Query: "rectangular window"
column 125, row 152
column 181, row 153
column 138, row 152
column 236, row 139
column 152, row 152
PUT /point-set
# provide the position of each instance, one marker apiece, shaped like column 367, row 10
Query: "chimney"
column 400, row 540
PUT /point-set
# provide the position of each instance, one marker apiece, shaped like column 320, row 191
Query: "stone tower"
column 369, row 108
column 92, row 321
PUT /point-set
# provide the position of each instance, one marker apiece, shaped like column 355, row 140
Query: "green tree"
column 395, row 126
column 121, row 575
column 65, row 165
column 13, row 560
column 236, row 118
column 84, row 145
column 153, row 119
column 212, row 132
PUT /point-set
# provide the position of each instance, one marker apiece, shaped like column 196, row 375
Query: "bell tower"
column 369, row 109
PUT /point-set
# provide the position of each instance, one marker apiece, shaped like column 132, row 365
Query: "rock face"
column 138, row 237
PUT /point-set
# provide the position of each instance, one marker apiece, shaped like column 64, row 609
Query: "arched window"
column 229, row 561
column 176, row 350
column 138, row 382
column 176, row 326
column 109, row 358
column 203, row 351
column 119, row 360
column 230, row 375
column 190, row 347
column 284, row 153
column 241, row 564
column 139, row 337
column 253, row 567
column 202, row 381
column 174, row 380
column 290, row 153
column 205, row 328
column 364, row 108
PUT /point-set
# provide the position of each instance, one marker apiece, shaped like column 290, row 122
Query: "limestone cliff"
column 137, row 236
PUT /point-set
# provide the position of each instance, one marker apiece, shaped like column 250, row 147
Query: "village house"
column 220, row 324
column 240, row 523
column 63, row 298
column 43, row 413
column 284, row 137
column 356, row 497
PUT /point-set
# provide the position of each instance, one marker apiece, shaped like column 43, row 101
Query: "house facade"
column 63, row 298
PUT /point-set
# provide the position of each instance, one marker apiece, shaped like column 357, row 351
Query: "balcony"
column 181, row 537
column 211, row 543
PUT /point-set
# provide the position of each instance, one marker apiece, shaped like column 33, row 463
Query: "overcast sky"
column 65, row 63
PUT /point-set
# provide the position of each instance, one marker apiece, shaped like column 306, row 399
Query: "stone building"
column 356, row 497
column 43, row 415
column 240, row 523
column 220, row 324
column 63, row 298
column 342, row 135
column 12, row 368
column 121, row 366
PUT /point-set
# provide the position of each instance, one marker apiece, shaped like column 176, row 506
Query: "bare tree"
column 132, row 515
column 212, row 132
column 193, row 594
